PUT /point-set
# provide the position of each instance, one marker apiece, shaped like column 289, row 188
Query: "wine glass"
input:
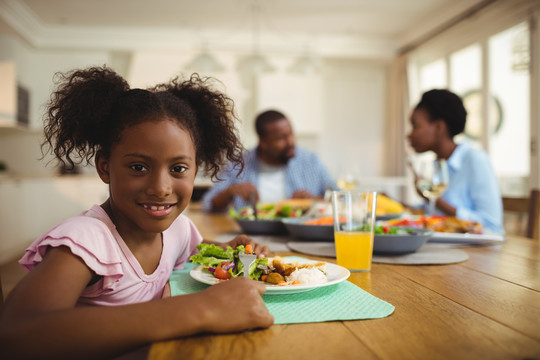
column 431, row 180
column 347, row 178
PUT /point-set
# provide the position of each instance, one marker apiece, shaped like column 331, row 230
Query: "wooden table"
column 487, row 307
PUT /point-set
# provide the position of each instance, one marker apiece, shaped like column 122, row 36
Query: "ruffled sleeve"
column 88, row 238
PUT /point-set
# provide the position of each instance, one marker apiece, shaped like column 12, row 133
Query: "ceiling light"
column 306, row 65
column 257, row 64
column 205, row 62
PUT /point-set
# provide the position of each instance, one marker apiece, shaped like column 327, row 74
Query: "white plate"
column 471, row 239
column 334, row 274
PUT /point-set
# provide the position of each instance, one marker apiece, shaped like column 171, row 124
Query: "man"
column 275, row 170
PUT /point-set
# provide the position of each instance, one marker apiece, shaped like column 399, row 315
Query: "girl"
column 473, row 192
column 147, row 146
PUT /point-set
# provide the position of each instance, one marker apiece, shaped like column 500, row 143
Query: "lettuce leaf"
column 213, row 255
column 206, row 261
column 211, row 250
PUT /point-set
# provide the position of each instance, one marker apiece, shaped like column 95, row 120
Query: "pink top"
column 92, row 236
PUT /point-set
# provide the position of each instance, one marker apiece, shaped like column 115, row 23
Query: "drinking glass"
column 354, row 220
column 432, row 180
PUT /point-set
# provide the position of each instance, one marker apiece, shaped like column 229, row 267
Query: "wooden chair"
column 523, row 210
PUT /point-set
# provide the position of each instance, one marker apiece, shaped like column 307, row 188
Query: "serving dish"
column 299, row 229
column 383, row 244
column 400, row 243
column 262, row 227
column 334, row 274
column 389, row 216
column 468, row 239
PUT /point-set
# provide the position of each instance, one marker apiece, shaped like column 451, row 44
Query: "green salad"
column 265, row 212
column 388, row 230
column 225, row 263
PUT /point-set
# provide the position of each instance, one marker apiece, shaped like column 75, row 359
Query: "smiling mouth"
column 157, row 207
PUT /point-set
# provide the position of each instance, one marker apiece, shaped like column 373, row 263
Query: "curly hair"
column 442, row 104
column 91, row 107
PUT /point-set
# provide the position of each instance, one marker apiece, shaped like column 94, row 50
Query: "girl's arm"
column 40, row 320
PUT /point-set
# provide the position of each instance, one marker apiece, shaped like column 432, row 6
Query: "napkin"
column 342, row 301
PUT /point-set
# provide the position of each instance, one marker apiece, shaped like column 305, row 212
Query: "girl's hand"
column 236, row 305
column 258, row 249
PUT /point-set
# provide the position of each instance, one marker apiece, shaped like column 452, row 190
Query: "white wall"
column 354, row 116
column 30, row 206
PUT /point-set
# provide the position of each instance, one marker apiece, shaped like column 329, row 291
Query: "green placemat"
column 343, row 301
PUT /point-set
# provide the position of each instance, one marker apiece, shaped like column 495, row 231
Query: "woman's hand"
column 258, row 249
column 237, row 305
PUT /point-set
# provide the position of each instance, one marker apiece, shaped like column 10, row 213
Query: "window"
column 509, row 84
column 433, row 75
column 466, row 81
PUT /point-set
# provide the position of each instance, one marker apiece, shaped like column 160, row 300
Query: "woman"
column 473, row 192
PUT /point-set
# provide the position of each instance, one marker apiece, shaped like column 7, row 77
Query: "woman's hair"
column 444, row 105
column 266, row 118
column 90, row 109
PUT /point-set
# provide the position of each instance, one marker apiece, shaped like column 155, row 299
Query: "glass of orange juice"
column 354, row 220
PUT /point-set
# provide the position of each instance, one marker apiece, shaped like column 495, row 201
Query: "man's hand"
column 243, row 190
column 302, row 194
column 224, row 198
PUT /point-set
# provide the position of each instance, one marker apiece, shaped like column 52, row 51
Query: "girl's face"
column 423, row 136
column 150, row 173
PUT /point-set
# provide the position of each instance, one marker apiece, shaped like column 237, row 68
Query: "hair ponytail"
column 78, row 113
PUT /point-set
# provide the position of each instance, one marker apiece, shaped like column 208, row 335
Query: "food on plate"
column 307, row 276
column 266, row 212
column 319, row 209
column 225, row 264
column 273, row 278
column 452, row 224
column 386, row 206
column 298, row 273
column 392, row 230
column 326, row 220
column 437, row 223
column 321, row 212
column 296, row 204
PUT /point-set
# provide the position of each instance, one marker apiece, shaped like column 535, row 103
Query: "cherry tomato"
column 222, row 274
column 386, row 229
